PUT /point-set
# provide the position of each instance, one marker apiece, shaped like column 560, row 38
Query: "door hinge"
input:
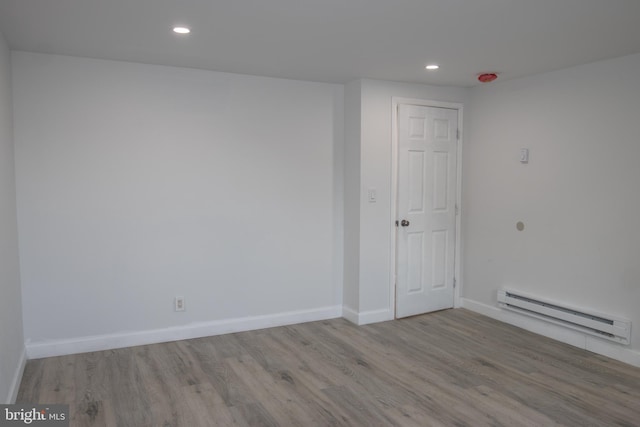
column 454, row 283
column 458, row 134
column 456, row 209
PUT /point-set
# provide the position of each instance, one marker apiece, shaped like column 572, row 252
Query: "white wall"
column 137, row 183
column 375, row 222
column 352, row 102
column 578, row 196
column 11, row 338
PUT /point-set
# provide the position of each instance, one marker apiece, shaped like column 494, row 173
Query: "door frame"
column 395, row 102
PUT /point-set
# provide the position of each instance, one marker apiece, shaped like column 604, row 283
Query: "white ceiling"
column 333, row 40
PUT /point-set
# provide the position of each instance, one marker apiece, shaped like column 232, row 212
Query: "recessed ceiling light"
column 181, row 30
column 432, row 67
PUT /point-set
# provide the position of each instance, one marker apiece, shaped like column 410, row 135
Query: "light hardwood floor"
column 450, row 368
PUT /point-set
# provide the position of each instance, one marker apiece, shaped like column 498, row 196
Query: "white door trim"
column 395, row 101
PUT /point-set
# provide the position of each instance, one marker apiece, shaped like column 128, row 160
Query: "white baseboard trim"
column 40, row 349
column 556, row 332
column 350, row 314
column 366, row 317
column 617, row 352
column 375, row 316
column 17, row 378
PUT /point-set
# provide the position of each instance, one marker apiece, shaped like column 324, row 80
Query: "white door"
column 427, row 157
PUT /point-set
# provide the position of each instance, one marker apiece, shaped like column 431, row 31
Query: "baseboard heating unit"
column 601, row 325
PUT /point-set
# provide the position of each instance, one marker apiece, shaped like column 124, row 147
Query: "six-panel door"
column 427, row 157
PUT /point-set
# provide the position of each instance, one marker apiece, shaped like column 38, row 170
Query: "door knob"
column 404, row 223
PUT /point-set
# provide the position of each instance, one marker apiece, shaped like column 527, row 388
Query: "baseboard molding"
column 587, row 342
column 350, row 314
column 617, row 352
column 36, row 350
column 366, row 317
column 17, row 378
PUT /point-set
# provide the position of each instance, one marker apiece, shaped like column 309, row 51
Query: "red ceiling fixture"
column 487, row 77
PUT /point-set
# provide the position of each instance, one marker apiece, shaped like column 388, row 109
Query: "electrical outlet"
column 179, row 304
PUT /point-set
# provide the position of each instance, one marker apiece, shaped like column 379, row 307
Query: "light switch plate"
column 372, row 195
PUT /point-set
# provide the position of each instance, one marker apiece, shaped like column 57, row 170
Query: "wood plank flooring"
column 450, row 368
